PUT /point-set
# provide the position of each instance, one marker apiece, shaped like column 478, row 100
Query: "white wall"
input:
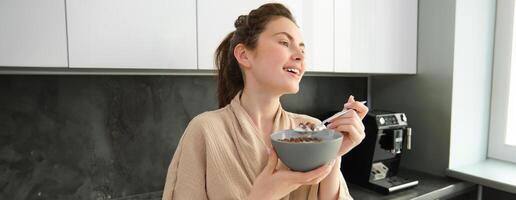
column 473, row 61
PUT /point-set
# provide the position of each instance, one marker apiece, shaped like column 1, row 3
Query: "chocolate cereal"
column 303, row 139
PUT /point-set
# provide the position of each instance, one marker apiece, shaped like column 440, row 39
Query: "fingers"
column 271, row 164
column 351, row 99
column 319, row 173
column 360, row 108
column 354, row 135
column 350, row 118
column 352, row 127
column 317, row 180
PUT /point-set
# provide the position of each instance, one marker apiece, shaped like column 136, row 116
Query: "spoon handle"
column 334, row 116
column 338, row 114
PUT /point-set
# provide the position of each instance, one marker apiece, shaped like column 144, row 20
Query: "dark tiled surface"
column 104, row 137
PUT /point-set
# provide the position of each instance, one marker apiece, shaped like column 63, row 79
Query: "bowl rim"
column 339, row 137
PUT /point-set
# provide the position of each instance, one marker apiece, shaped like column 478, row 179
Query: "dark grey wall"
column 425, row 97
column 101, row 137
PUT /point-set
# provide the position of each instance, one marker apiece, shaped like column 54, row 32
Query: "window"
column 502, row 128
column 510, row 132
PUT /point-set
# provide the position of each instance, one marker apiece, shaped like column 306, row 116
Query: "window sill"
column 492, row 173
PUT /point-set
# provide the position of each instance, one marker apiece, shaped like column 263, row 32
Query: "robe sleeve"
column 186, row 176
column 308, row 192
column 343, row 189
column 311, row 191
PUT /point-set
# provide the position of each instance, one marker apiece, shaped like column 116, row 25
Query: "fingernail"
column 347, row 104
column 269, row 151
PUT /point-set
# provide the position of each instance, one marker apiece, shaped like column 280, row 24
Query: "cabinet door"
column 216, row 19
column 376, row 36
column 318, row 30
column 148, row 34
column 32, row 33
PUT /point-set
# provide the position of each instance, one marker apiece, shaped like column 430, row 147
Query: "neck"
column 261, row 107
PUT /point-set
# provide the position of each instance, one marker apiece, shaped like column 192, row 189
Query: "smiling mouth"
column 292, row 70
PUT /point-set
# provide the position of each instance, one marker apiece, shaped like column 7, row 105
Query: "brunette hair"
column 248, row 28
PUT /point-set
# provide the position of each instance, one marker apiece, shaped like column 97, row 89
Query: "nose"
column 298, row 54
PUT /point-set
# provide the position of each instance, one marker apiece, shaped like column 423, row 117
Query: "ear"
column 242, row 55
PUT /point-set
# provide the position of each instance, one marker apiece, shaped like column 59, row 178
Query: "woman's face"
column 277, row 64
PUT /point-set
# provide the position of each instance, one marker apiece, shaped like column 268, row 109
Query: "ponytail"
column 230, row 79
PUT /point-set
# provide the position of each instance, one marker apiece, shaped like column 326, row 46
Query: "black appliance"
column 374, row 163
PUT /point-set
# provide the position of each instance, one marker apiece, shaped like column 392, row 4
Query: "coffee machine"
column 374, row 163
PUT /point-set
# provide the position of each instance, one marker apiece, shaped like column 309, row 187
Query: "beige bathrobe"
column 222, row 152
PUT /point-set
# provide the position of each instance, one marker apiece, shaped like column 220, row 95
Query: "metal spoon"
column 321, row 126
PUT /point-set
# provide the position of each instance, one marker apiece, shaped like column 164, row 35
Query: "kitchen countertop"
column 490, row 172
column 429, row 187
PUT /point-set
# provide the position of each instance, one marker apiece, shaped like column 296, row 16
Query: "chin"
column 287, row 87
column 292, row 89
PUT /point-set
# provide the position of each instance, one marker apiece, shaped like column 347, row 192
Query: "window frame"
column 503, row 56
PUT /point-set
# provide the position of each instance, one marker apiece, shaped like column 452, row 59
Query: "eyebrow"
column 289, row 37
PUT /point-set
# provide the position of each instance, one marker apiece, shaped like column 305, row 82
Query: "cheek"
column 269, row 69
column 275, row 57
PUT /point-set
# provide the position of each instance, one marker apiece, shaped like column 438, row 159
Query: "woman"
column 227, row 153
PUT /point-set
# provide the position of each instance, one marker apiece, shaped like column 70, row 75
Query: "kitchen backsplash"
column 105, row 137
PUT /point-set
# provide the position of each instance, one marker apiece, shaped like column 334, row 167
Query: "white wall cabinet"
column 317, row 28
column 216, row 19
column 348, row 36
column 33, row 33
column 153, row 34
column 376, row 36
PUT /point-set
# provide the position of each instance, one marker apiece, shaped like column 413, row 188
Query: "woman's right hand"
column 275, row 184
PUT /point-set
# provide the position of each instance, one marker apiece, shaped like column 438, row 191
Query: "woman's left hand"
column 350, row 125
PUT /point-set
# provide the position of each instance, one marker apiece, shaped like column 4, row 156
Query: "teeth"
column 293, row 70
